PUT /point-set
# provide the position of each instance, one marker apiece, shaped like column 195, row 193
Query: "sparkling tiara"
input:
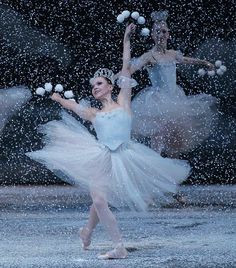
column 103, row 72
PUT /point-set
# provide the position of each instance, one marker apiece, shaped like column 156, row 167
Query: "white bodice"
column 163, row 75
column 113, row 128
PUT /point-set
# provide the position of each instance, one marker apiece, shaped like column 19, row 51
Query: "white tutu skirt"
column 11, row 99
column 174, row 122
column 129, row 176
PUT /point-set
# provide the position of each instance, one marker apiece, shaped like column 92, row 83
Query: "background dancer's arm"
column 189, row 60
column 136, row 64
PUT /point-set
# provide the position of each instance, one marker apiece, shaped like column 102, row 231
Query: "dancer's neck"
column 160, row 48
column 108, row 103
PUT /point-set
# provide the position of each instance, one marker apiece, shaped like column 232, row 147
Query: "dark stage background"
column 67, row 41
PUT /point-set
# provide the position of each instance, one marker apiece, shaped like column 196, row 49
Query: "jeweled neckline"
column 111, row 111
column 102, row 114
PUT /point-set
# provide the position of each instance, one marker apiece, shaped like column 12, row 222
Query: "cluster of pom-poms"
column 126, row 14
column 48, row 87
column 220, row 69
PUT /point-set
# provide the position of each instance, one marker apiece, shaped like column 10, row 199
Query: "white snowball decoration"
column 125, row 13
column 219, row 72
column 220, row 69
column 58, row 88
column 48, row 87
column 40, row 91
column 218, row 63
column 211, row 73
column 201, row 72
column 223, row 68
column 120, row 18
column 135, row 15
column 145, row 32
column 69, row 94
column 141, row 20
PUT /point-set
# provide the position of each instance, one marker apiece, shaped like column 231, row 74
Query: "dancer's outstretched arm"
column 86, row 113
column 194, row 61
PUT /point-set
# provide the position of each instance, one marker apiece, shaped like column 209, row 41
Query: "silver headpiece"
column 104, row 72
column 158, row 16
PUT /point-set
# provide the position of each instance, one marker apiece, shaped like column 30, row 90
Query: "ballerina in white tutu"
column 116, row 169
column 174, row 122
column 11, row 99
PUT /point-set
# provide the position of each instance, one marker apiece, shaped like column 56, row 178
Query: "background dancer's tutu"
column 11, row 99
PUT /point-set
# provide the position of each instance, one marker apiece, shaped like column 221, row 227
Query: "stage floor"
column 39, row 228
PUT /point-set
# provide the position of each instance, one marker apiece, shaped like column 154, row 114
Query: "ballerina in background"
column 11, row 99
column 115, row 169
column 174, row 122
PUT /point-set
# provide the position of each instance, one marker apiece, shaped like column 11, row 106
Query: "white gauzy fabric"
column 128, row 173
column 179, row 56
column 82, row 106
column 136, row 62
column 11, row 99
column 126, row 82
column 173, row 121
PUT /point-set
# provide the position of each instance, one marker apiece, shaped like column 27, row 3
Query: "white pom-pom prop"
column 220, row 69
column 69, row 94
column 135, row 15
column 48, row 87
column 223, row 68
column 40, row 91
column 145, row 32
column 125, row 13
column 58, row 88
column 211, row 73
column 141, row 20
column 218, row 63
column 219, row 72
column 120, row 18
column 201, row 72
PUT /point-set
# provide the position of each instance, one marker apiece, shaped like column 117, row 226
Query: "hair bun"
column 159, row 15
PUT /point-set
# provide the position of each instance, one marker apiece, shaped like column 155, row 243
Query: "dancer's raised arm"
column 125, row 81
column 126, row 50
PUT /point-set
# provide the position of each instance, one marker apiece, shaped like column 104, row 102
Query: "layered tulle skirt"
column 172, row 121
column 130, row 176
column 11, row 99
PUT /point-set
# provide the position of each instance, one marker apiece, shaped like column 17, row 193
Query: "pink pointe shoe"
column 85, row 237
column 118, row 252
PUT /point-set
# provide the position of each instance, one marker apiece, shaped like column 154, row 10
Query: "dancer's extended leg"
column 108, row 220
column 86, row 231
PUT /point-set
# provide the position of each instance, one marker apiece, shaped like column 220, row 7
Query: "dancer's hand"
column 209, row 65
column 130, row 29
column 56, row 97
